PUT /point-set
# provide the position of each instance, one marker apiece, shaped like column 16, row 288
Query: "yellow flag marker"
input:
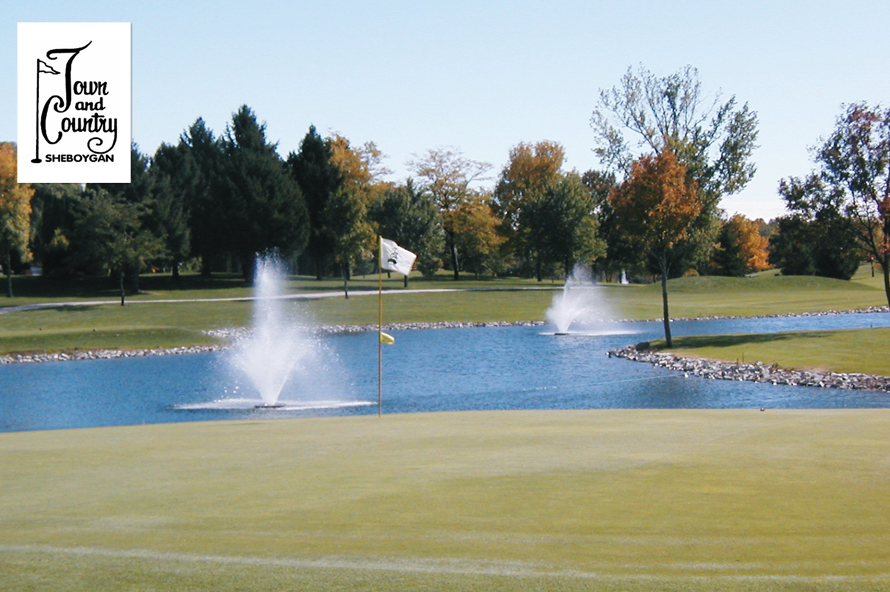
column 387, row 338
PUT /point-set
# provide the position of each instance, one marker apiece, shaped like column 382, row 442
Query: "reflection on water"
column 435, row 370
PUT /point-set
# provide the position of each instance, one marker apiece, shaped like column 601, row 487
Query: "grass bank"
column 570, row 500
column 145, row 322
column 864, row 351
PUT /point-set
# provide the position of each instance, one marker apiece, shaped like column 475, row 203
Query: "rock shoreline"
column 234, row 334
column 756, row 372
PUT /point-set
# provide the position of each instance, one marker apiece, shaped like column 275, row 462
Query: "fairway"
column 561, row 500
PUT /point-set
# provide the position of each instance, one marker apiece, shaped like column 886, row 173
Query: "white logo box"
column 74, row 102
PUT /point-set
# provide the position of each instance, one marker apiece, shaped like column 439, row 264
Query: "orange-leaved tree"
column 522, row 183
column 15, row 212
column 742, row 248
column 654, row 209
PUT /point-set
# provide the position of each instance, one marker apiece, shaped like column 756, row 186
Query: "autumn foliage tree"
column 476, row 234
column 447, row 174
column 345, row 216
column 742, row 249
column 15, row 212
column 654, row 209
column 714, row 140
column 530, row 170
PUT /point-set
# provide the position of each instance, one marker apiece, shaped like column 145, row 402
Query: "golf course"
column 618, row 499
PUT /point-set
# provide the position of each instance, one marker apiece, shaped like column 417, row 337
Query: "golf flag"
column 395, row 258
column 387, row 338
column 44, row 68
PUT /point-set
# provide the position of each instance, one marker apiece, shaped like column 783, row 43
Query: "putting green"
column 508, row 500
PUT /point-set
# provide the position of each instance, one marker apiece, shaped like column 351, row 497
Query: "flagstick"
column 380, row 328
column 37, row 120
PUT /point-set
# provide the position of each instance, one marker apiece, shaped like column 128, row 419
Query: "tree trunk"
column 885, row 269
column 175, row 276
column 665, row 269
column 123, row 292
column 406, row 281
column 318, row 267
column 345, row 271
column 248, row 267
column 538, row 270
column 8, row 267
column 205, row 265
column 454, row 260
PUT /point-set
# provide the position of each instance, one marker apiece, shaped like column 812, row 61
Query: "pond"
column 426, row 370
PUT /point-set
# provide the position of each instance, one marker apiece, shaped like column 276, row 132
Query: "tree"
column 476, row 233
column 742, row 249
column 202, row 159
column 713, row 141
column 816, row 238
column 319, row 178
column 108, row 236
column 15, row 212
column 447, row 175
column 139, row 191
column 855, row 163
column 619, row 255
column 176, row 176
column 523, row 180
column 655, row 208
column 562, row 226
column 53, row 208
column 264, row 207
column 345, row 217
column 790, row 248
column 408, row 215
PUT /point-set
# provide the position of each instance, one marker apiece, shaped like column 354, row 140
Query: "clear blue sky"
column 480, row 76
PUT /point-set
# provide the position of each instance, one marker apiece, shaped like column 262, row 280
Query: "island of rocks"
column 755, row 372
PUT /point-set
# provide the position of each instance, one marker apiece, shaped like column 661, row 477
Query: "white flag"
column 395, row 258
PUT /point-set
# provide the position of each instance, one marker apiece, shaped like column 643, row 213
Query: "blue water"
column 430, row 370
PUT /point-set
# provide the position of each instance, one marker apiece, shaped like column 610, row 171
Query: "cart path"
column 303, row 296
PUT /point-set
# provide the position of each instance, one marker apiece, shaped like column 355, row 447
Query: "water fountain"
column 578, row 302
column 277, row 347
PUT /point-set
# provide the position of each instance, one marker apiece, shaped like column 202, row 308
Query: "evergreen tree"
column 202, row 158
column 319, row 178
column 176, row 175
column 264, row 207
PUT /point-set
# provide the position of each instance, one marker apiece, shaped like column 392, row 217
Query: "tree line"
column 669, row 154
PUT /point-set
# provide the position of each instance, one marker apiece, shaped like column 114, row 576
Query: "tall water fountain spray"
column 579, row 302
column 277, row 347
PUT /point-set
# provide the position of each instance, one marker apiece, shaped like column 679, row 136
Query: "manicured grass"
column 547, row 500
column 116, row 326
column 856, row 350
column 182, row 322
column 161, row 286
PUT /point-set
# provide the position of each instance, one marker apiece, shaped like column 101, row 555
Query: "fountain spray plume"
column 578, row 302
column 276, row 344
